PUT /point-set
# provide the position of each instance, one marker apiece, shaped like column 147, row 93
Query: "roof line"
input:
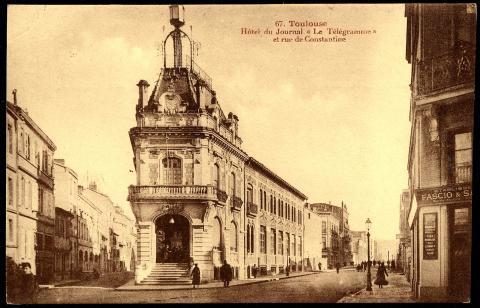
column 264, row 168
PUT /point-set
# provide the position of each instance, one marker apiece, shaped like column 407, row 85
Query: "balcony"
column 222, row 196
column 45, row 178
column 236, row 203
column 445, row 71
column 191, row 192
column 252, row 209
column 463, row 174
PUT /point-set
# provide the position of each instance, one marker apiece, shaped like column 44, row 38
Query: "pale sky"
column 330, row 118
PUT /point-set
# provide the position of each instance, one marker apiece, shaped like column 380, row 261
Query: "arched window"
column 172, row 171
column 232, row 185
column 233, row 237
column 216, row 176
column 217, row 234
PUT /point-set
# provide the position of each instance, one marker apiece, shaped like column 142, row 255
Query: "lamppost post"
column 369, row 275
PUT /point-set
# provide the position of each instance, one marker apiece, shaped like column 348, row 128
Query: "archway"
column 173, row 239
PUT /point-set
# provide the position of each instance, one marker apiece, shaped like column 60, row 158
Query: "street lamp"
column 368, row 223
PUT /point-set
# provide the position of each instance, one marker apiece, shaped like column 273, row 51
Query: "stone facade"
column 404, row 256
column 335, row 236
column 92, row 234
column 359, row 246
column 440, row 155
column 30, row 202
column 197, row 195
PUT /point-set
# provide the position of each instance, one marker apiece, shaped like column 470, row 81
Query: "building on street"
column 335, row 234
column 359, row 246
column 66, row 204
column 30, row 209
column 404, row 255
column 198, row 196
column 441, row 45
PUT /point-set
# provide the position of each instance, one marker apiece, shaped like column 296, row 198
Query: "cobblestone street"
column 323, row 287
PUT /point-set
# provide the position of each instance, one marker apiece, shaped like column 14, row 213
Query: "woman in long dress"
column 381, row 272
column 196, row 276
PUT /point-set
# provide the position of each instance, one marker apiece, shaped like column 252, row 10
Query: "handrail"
column 198, row 71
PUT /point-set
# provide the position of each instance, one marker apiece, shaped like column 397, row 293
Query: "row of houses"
column 62, row 229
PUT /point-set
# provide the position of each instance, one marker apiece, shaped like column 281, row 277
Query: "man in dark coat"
column 196, row 276
column 337, row 266
column 226, row 273
column 29, row 285
column 254, row 271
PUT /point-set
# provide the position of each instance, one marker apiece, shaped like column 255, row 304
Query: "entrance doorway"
column 460, row 252
column 173, row 239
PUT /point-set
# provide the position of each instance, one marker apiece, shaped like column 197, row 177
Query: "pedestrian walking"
column 381, row 273
column 374, row 263
column 226, row 273
column 254, row 271
column 337, row 266
column 319, row 266
column 196, row 276
column 288, row 270
column 392, row 265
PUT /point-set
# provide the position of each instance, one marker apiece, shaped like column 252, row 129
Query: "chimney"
column 142, row 94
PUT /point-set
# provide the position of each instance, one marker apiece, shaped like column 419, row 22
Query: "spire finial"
column 14, row 92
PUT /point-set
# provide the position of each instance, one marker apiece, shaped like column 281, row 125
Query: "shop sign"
column 451, row 193
column 430, row 236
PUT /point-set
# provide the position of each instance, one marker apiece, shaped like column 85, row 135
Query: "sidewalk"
column 58, row 284
column 397, row 291
column 130, row 286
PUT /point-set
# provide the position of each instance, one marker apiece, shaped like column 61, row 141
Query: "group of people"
column 226, row 274
column 364, row 264
column 22, row 286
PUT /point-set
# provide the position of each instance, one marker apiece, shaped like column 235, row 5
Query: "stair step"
column 166, row 278
column 165, row 283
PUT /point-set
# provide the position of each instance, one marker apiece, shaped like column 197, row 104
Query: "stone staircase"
column 168, row 274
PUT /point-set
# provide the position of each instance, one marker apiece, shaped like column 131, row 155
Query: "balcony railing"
column 172, row 192
column 236, row 203
column 463, row 174
column 222, row 196
column 448, row 70
column 45, row 178
column 199, row 72
column 252, row 208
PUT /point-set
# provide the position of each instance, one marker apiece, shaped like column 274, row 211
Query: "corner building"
column 440, row 154
column 199, row 197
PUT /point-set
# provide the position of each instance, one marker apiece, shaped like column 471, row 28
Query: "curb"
column 236, row 285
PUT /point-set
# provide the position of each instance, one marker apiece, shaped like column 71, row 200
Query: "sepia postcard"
column 310, row 153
